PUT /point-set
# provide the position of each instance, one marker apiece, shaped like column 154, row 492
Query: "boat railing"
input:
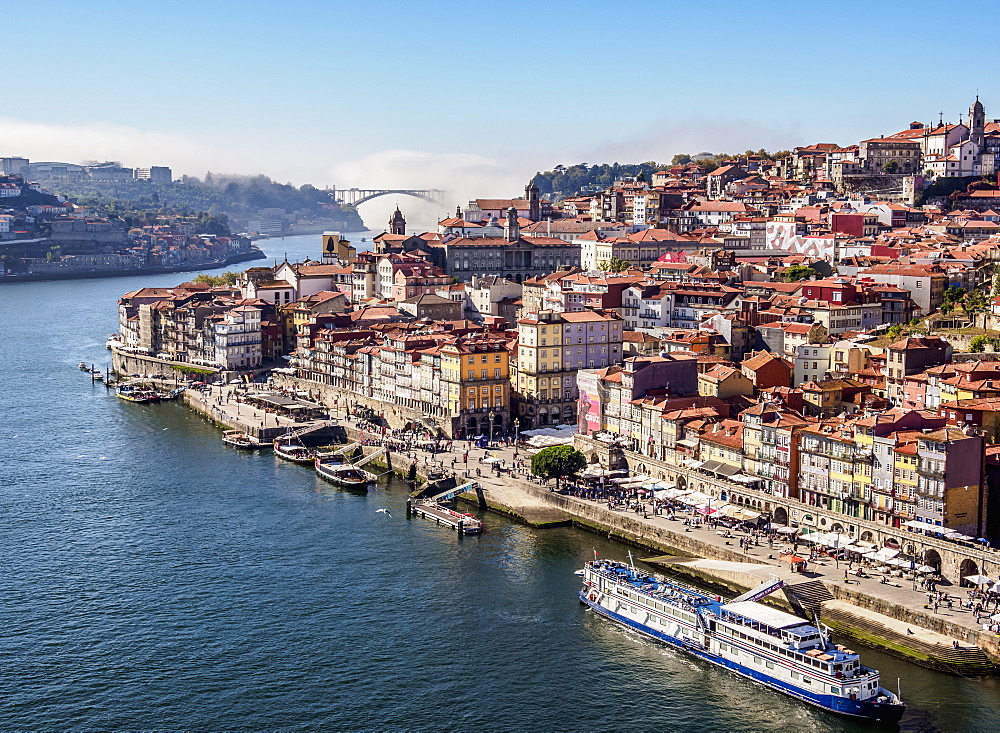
column 689, row 593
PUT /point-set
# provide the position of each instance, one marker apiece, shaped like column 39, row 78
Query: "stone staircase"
column 966, row 660
column 807, row 597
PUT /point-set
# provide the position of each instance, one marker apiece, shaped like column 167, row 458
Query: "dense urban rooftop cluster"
column 798, row 327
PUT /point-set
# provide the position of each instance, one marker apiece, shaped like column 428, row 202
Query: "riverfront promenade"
column 222, row 404
column 896, row 608
column 908, row 624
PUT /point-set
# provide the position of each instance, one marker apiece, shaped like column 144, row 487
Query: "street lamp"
column 517, row 432
column 491, row 416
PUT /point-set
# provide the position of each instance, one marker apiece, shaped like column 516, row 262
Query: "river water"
column 154, row 578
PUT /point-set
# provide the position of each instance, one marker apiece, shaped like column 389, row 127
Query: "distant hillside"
column 575, row 180
column 239, row 199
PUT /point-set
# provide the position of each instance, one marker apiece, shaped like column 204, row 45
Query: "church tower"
column 534, row 205
column 512, row 230
column 397, row 224
column 977, row 122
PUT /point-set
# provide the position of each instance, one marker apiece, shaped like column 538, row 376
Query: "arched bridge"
column 356, row 196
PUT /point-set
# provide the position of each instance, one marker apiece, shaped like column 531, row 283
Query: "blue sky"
column 468, row 94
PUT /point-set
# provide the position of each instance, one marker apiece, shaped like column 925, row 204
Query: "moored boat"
column 333, row 469
column 238, row 439
column 83, row 366
column 136, row 394
column 773, row 648
column 292, row 449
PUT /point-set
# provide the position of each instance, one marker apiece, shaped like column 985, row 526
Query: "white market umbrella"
column 925, row 569
column 977, row 579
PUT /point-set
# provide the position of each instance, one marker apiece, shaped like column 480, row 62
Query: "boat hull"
column 889, row 714
column 340, row 480
column 292, row 457
column 243, row 444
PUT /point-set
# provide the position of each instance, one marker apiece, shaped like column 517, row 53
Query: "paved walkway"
column 761, row 560
column 221, row 401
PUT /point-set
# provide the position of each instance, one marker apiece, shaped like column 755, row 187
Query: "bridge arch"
column 356, row 196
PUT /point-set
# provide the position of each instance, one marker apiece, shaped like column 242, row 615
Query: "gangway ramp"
column 452, row 493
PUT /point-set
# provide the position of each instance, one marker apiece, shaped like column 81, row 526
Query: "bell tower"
column 977, row 122
column 397, row 224
column 534, row 205
column 512, row 230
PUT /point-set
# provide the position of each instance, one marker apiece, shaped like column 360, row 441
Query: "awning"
column 711, row 466
column 727, row 470
column 791, row 559
column 688, row 443
column 886, row 553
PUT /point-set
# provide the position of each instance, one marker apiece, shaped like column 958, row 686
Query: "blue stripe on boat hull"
column 840, row 705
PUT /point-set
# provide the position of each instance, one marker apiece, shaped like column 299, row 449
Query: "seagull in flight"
column 383, row 511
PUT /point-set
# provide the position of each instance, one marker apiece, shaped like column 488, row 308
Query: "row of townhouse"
column 894, row 466
column 195, row 324
column 458, row 384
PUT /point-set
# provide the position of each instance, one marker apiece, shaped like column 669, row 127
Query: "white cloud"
column 462, row 175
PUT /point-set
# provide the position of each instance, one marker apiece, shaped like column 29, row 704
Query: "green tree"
column 891, row 166
column 974, row 304
column 226, row 278
column 680, row 159
column 794, row 273
column 980, row 343
column 615, row 264
column 894, row 332
column 954, row 294
column 559, row 461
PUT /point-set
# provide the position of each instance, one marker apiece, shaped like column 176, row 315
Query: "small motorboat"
column 238, row 439
column 84, row 367
column 97, row 376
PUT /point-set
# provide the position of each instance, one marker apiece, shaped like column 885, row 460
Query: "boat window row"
column 779, row 649
column 661, row 607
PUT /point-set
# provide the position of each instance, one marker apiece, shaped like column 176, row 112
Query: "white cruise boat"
column 771, row 647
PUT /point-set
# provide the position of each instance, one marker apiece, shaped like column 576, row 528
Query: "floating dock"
column 463, row 523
